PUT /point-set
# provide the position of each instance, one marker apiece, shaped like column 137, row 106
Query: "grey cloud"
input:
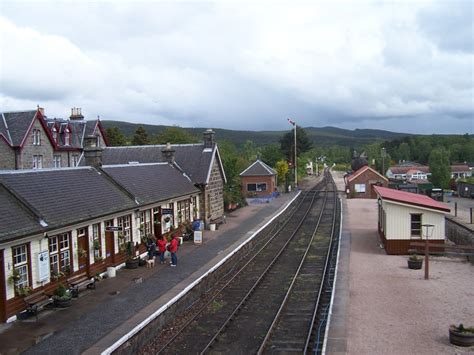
column 449, row 24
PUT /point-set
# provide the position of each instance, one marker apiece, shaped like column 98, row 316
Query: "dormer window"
column 67, row 137
column 36, row 137
column 55, row 134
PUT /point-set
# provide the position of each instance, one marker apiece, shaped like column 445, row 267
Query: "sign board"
column 166, row 211
column 197, row 237
column 113, row 229
column 43, row 266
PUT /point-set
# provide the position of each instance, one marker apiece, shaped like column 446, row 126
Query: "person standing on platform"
column 162, row 248
column 173, row 248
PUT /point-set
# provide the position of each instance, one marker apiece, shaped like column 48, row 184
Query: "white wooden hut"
column 402, row 215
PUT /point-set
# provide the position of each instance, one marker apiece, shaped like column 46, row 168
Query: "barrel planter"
column 461, row 336
column 131, row 263
column 415, row 264
column 62, row 302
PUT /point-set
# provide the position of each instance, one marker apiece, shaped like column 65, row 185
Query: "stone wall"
column 7, row 156
column 459, row 232
column 45, row 149
column 215, row 192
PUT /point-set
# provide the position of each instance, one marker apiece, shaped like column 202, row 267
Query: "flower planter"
column 415, row 264
column 131, row 264
column 460, row 338
column 62, row 302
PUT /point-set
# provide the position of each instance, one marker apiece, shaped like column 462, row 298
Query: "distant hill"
column 323, row 136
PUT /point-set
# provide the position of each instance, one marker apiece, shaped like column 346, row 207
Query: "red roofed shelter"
column 360, row 184
column 401, row 216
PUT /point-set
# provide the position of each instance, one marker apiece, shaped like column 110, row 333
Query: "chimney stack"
column 92, row 151
column 209, row 138
column 41, row 110
column 168, row 153
column 76, row 114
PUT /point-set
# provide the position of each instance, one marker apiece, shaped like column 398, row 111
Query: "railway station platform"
column 382, row 307
column 98, row 318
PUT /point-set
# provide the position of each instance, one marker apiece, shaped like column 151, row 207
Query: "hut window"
column 359, row 188
column 416, row 225
column 20, row 265
column 257, row 187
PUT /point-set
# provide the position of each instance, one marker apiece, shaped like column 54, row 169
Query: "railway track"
column 270, row 295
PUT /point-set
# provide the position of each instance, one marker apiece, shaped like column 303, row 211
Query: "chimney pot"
column 168, row 153
column 92, row 151
column 209, row 138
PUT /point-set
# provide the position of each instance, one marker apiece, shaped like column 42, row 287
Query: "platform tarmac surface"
column 99, row 317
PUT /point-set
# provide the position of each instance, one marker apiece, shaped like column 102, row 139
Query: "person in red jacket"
column 161, row 245
column 173, row 248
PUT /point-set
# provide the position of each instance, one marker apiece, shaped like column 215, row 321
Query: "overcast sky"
column 403, row 66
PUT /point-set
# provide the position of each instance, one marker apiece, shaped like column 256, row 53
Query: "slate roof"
column 18, row 124
column 410, row 198
column 15, row 219
column 66, row 196
column 460, row 168
column 363, row 170
column 258, row 168
column 192, row 158
column 151, row 182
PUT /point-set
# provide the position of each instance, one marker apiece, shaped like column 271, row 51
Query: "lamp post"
column 428, row 233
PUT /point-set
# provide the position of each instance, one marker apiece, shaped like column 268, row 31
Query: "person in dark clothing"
column 151, row 248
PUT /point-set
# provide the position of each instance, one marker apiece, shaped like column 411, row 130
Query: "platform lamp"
column 428, row 234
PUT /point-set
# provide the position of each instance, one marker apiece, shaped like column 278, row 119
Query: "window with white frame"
column 96, row 240
column 125, row 223
column 57, row 161
column 37, row 162
column 54, row 132
column 360, row 188
column 75, row 160
column 67, row 137
column 184, row 212
column 415, row 225
column 20, row 266
column 258, row 187
column 195, row 207
column 59, row 253
column 36, row 137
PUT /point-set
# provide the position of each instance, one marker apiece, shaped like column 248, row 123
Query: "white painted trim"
column 163, row 308
column 328, row 323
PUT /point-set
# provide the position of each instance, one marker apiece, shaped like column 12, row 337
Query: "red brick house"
column 360, row 183
column 258, row 180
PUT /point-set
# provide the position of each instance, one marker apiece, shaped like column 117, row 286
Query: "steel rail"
column 257, row 254
column 257, row 282
column 293, row 282
column 328, row 259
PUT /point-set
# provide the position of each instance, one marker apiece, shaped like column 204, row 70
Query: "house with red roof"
column 258, row 180
column 360, row 183
column 403, row 217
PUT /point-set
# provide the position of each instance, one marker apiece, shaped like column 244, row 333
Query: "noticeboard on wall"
column 43, row 266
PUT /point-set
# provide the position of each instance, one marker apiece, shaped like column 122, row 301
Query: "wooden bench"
column 80, row 282
column 37, row 301
column 219, row 220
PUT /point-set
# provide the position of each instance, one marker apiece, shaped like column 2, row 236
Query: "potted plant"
column 96, row 245
column 461, row 336
column 414, row 261
column 14, row 277
column 62, row 297
column 23, row 291
column 56, row 275
column 82, row 253
column 131, row 262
